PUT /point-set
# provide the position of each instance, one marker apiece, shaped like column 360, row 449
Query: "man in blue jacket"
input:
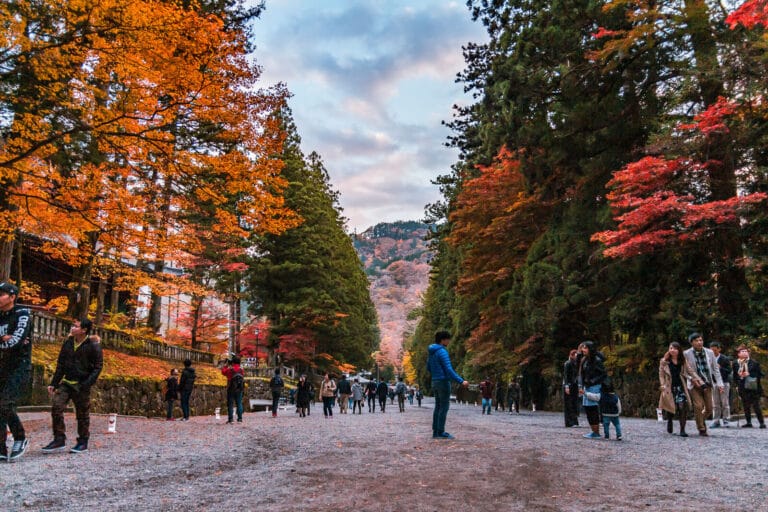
column 439, row 365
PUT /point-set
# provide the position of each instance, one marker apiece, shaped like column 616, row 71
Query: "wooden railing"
column 52, row 329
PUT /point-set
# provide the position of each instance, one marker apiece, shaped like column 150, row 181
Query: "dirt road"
column 387, row 462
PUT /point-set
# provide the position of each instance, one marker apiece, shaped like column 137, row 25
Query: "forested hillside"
column 396, row 258
column 611, row 186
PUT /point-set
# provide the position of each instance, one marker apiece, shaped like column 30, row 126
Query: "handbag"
column 750, row 383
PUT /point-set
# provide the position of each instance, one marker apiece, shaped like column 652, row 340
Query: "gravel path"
column 387, row 462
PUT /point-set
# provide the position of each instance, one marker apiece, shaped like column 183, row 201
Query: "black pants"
column 82, row 401
column 275, row 401
column 751, row 401
column 11, row 387
column 593, row 414
column 383, row 403
column 371, row 403
column 571, row 408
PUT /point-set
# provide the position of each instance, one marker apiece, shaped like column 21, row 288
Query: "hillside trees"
column 126, row 123
column 309, row 281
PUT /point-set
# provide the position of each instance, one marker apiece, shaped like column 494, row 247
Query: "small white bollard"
column 112, row 424
column 659, row 415
column 533, row 408
column 217, row 412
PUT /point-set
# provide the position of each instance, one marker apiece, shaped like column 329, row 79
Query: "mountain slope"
column 396, row 259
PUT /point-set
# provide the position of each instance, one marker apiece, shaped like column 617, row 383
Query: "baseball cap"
column 9, row 288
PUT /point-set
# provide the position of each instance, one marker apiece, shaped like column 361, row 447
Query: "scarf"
column 743, row 368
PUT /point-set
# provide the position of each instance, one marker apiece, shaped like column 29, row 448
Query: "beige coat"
column 666, row 400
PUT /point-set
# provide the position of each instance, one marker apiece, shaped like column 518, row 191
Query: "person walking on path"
column 513, row 396
column 382, row 390
column 357, row 397
column 400, row 390
column 77, row 369
column 499, row 396
column 571, row 390
column 370, row 393
column 722, row 401
column 235, row 388
column 442, row 372
column 592, row 374
column 706, row 374
column 610, row 409
column 345, row 390
column 486, row 393
column 186, row 385
column 674, row 374
column 327, row 394
column 748, row 375
column 276, row 386
column 303, row 393
column 15, row 368
column 419, row 395
column 171, row 393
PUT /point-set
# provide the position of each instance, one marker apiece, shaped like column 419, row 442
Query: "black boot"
column 669, row 425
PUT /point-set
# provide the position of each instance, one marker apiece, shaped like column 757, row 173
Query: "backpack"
column 400, row 389
column 276, row 384
column 237, row 384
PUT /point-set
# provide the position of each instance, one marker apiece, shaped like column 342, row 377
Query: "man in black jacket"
column 571, row 390
column 186, row 385
column 15, row 367
column 79, row 365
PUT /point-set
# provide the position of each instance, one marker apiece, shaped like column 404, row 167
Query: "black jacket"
column 16, row 353
column 344, row 387
column 753, row 367
column 382, row 390
column 187, row 380
column 80, row 364
column 592, row 371
column 171, row 388
column 571, row 373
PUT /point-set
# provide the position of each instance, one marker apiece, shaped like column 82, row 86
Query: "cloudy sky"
column 371, row 83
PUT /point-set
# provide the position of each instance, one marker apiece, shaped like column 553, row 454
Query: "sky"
column 372, row 82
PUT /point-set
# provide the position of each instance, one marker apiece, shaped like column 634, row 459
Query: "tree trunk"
column 101, row 293
column 197, row 306
column 6, row 257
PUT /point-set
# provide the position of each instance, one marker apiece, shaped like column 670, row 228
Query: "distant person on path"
column 499, row 396
column 345, row 390
column 486, row 393
column 186, row 385
column 327, row 393
column 77, row 368
column 674, row 374
column 419, row 395
column 610, row 409
column 357, row 397
column 400, row 390
column 442, row 372
column 592, row 374
column 370, row 392
column 235, row 388
column 748, row 375
column 382, row 390
column 722, row 401
column 571, row 390
column 15, row 368
column 171, row 393
column 303, row 393
column 706, row 375
column 513, row 396
column 276, row 386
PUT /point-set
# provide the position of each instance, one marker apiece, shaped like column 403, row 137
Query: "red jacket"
column 230, row 371
column 486, row 388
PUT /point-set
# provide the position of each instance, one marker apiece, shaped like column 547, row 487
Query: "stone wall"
column 144, row 397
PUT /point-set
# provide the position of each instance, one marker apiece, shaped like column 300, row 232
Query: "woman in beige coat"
column 674, row 374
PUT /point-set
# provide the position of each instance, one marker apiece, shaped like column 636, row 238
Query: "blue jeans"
column 185, row 403
column 275, row 401
column 234, row 400
column 442, row 391
column 328, row 406
column 487, row 403
column 607, row 420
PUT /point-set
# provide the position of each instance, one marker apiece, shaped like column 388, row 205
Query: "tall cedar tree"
column 308, row 281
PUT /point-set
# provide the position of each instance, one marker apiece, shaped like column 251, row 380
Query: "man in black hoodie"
column 186, row 385
column 15, row 367
column 79, row 365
